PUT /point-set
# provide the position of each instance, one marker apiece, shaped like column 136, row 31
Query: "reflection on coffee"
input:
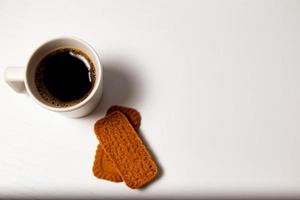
column 65, row 77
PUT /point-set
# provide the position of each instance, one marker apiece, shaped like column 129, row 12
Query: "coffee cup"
column 43, row 77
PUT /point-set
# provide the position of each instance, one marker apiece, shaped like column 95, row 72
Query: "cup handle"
column 14, row 77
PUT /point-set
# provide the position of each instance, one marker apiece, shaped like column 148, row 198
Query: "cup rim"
column 95, row 87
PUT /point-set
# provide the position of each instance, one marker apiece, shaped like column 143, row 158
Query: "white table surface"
column 217, row 84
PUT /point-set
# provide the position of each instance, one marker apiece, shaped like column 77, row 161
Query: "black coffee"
column 65, row 77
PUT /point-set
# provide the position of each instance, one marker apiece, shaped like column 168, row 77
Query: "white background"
column 217, row 84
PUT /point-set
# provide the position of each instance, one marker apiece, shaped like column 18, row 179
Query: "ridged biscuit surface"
column 128, row 153
column 103, row 167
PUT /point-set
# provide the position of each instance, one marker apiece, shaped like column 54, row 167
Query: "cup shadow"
column 121, row 86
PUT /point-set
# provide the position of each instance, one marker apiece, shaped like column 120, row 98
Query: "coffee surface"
column 65, row 77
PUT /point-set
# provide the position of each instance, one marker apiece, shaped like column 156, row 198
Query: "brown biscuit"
column 132, row 115
column 103, row 166
column 126, row 150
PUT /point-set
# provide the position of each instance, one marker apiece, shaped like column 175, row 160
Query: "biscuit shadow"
column 121, row 86
column 160, row 171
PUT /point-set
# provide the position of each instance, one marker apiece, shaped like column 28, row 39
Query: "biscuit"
column 128, row 153
column 132, row 115
column 103, row 167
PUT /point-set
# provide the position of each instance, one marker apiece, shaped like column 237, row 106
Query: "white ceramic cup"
column 22, row 79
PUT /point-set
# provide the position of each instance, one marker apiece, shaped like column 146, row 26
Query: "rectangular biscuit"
column 104, row 167
column 126, row 150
